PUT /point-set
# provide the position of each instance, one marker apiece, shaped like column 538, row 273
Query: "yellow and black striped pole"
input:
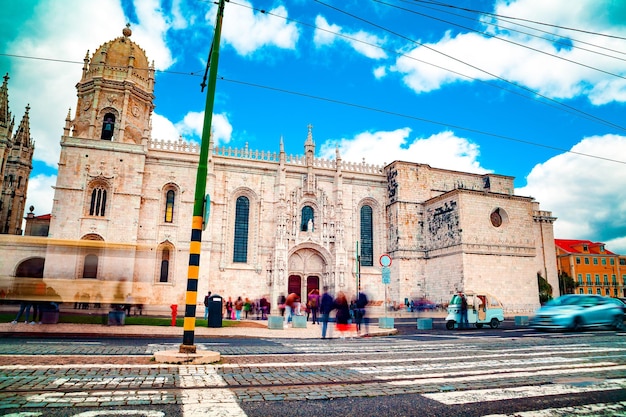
column 195, row 245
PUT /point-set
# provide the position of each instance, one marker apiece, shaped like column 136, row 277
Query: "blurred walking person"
column 326, row 306
column 313, row 305
column 361, row 304
column 343, row 314
column 25, row 307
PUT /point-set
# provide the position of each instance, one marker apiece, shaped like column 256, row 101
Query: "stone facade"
column 16, row 158
column 278, row 223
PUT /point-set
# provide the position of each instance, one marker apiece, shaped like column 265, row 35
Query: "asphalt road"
column 475, row 372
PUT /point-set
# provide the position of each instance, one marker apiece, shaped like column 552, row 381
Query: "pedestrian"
column 361, row 304
column 297, row 307
column 343, row 314
column 229, row 308
column 290, row 304
column 247, row 306
column 37, row 312
column 463, row 322
column 326, row 306
column 281, row 304
column 238, row 308
column 353, row 311
column 313, row 305
column 265, row 307
column 24, row 308
column 206, row 305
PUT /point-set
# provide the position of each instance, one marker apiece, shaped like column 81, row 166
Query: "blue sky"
column 527, row 88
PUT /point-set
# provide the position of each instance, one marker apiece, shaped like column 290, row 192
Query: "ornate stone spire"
column 5, row 114
column 309, row 147
column 22, row 135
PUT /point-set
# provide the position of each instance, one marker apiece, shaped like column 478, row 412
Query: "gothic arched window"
column 307, row 214
column 90, row 267
column 164, row 273
column 97, row 206
column 108, row 125
column 240, row 247
column 169, row 206
column 367, row 237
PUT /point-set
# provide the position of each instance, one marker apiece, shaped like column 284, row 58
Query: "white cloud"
column 248, row 32
column 41, row 37
column 586, row 194
column 553, row 77
column 164, row 129
column 222, row 129
column 40, row 194
column 192, row 124
column 441, row 150
column 150, row 32
column 362, row 42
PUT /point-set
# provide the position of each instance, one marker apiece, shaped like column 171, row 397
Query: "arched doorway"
column 306, row 269
column 31, row 268
column 295, row 285
column 312, row 283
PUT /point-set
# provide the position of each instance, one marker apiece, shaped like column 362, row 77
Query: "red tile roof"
column 576, row 246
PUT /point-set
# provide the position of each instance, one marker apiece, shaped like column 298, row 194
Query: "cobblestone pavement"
column 451, row 371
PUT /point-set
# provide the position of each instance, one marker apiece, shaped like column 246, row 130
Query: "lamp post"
column 195, row 245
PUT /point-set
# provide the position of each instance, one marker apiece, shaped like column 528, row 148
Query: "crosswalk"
column 453, row 374
column 468, row 373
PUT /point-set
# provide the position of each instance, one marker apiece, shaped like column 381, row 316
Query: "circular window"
column 497, row 217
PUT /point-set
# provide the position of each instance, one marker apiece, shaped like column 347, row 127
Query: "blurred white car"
column 578, row 311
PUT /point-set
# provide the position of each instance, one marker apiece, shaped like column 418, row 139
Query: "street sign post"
column 385, row 262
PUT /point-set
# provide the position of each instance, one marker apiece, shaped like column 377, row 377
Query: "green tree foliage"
column 567, row 285
column 545, row 289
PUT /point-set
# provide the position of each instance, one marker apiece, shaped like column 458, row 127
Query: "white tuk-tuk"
column 482, row 308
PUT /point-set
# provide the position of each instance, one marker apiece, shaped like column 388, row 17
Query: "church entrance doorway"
column 312, row 283
column 306, row 268
column 294, row 285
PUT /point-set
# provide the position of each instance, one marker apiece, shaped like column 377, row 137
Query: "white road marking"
column 206, row 402
column 589, row 410
column 433, row 379
column 482, row 395
column 486, row 366
column 140, row 413
column 44, row 342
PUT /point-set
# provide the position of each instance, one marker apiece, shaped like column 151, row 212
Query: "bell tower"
column 104, row 147
column 115, row 93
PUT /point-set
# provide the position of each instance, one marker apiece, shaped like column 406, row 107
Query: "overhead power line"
column 507, row 41
column 363, row 107
column 568, row 43
column 473, row 66
column 522, row 19
column 421, row 119
column 534, row 94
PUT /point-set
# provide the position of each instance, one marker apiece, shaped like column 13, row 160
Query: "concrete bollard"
column 275, row 322
column 298, row 322
column 425, row 324
column 385, row 322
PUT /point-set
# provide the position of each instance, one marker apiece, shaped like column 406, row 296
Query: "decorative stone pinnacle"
column 126, row 31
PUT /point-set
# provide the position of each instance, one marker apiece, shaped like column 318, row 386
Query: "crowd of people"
column 241, row 308
column 318, row 308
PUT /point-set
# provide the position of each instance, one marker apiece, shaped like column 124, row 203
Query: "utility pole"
column 195, row 245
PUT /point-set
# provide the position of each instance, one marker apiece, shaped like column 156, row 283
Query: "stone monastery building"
column 278, row 223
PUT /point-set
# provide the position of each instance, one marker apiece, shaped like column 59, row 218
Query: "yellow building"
column 595, row 269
